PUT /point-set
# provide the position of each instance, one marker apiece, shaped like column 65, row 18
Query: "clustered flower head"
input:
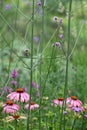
column 14, row 74
column 14, row 117
column 58, row 101
column 72, row 103
column 33, row 106
column 10, row 108
column 19, row 95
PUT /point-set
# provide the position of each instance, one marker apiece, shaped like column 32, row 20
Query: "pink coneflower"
column 33, row 106
column 10, row 107
column 58, row 101
column 14, row 117
column 73, row 101
column 19, row 95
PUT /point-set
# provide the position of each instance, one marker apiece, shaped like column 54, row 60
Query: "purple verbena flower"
column 14, row 74
column 39, row 3
column 13, row 82
column 36, row 39
column 9, row 90
column 65, row 112
column 37, row 86
column 5, row 90
column 33, row 84
column 57, row 44
column 60, row 20
column 25, row 89
column 61, row 36
column 7, row 7
column 37, row 94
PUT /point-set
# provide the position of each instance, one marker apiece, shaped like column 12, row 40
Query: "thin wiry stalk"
column 73, row 124
column 31, row 74
column 48, row 71
column 67, row 63
column 40, row 70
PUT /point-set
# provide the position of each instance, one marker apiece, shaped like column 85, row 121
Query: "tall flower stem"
column 67, row 63
column 40, row 70
column 31, row 74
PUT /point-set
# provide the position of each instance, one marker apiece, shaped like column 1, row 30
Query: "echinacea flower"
column 58, row 102
column 14, row 74
column 10, row 108
column 19, row 95
column 73, row 101
column 33, row 106
column 14, row 117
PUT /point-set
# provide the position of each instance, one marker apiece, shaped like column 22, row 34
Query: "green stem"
column 82, row 126
column 73, row 124
column 44, row 86
column 40, row 70
column 31, row 74
column 67, row 63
